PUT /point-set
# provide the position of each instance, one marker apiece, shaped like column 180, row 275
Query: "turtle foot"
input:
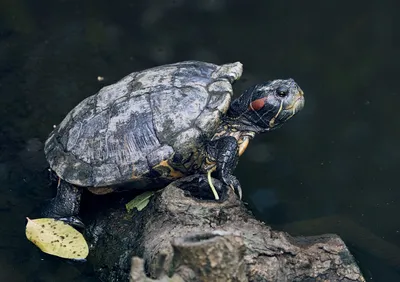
column 198, row 186
column 65, row 205
column 52, row 209
column 74, row 221
column 231, row 181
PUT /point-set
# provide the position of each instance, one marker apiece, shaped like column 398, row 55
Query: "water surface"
column 333, row 168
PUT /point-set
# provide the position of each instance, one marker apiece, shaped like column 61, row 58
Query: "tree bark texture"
column 185, row 234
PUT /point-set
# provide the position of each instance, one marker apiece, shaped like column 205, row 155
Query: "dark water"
column 333, row 168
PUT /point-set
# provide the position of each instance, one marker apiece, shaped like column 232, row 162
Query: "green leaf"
column 140, row 201
column 56, row 238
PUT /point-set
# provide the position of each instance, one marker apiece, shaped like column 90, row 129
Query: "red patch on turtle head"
column 258, row 104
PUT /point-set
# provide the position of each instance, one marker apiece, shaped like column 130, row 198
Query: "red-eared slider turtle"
column 160, row 124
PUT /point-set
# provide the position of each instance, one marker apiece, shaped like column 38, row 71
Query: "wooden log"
column 185, row 234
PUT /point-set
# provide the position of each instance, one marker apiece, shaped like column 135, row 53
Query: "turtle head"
column 268, row 105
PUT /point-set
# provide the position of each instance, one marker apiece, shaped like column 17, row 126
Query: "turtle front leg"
column 225, row 152
column 65, row 205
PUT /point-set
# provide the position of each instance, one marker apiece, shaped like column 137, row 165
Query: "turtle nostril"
column 299, row 91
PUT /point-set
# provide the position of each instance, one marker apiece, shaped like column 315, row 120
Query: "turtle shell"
column 149, row 125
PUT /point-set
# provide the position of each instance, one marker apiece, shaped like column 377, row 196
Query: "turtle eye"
column 282, row 91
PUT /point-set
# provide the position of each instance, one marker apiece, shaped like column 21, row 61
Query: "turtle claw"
column 73, row 221
column 231, row 181
column 239, row 191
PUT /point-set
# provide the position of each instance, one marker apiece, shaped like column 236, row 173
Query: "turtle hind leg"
column 65, row 205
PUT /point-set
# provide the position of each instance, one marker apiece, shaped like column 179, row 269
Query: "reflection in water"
column 336, row 161
column 264, row 198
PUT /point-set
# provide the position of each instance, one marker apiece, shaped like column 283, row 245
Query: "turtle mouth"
column 298, row 104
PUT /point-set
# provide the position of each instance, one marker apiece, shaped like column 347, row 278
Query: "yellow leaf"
column 139, row 202
column 56, row 238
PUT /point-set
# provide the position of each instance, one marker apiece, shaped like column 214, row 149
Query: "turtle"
column 160, row 124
